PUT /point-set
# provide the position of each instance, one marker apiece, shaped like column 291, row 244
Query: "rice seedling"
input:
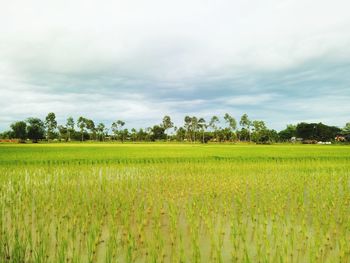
column 174, row 203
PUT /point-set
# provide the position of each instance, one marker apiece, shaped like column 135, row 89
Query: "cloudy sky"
column 282, row 61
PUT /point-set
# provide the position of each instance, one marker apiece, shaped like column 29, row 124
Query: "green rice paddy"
column 174, row 203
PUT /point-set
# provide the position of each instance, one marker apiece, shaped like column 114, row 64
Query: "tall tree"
column 181, row 134
column 142, row 135
column 19, row 130
column 231, row 122
column 259, row 131
column 70, row 127
column 288, row 133
column 6, row 135
column 187, row 126
column 346, row 129
column 90, row 125
column 100, row 131
column 157, row 133
column 82, row 126
column 63, row 132
column 50, row 124
column 246, row 124
column 167, row 124
column 148, row 132
column 316, row 131
column 124, row 134
column 133, row 134
column 214, row 122
column 116, row 128
column 35, row 129
column 202, row 126
column 194, row 127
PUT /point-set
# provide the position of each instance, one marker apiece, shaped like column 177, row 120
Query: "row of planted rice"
column 240, row 204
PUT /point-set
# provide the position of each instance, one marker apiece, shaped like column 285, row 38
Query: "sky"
column 281, row 61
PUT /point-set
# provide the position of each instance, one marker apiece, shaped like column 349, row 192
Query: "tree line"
column 194, row 129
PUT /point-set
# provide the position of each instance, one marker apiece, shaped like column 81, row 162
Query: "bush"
column 309, row 142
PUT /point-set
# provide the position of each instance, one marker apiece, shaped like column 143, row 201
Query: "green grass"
column 174, row 203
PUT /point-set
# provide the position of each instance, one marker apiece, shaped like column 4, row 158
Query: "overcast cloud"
column 282, row 61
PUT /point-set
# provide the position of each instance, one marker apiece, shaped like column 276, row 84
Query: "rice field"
column 174, row 203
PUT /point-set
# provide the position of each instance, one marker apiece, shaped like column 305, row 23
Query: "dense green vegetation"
column 174, row 203
column 194, row 129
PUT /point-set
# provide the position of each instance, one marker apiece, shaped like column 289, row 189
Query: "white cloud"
column 248, row 99
column 173, row 56
column 170, row 39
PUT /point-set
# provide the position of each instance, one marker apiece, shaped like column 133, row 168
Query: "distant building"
column 324, row 142
column 295, row 139
column 340, row 138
